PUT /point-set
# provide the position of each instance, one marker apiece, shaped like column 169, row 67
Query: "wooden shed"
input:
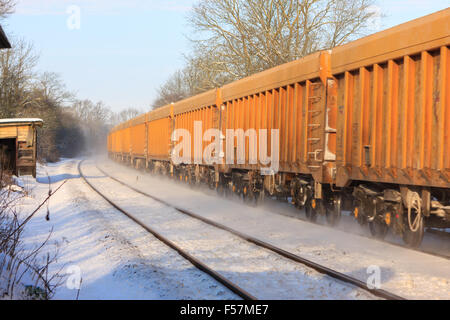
column 18, row 145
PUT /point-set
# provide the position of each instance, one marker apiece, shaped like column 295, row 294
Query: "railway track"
column 197, row 263
column 298, row 259
column 441, row 234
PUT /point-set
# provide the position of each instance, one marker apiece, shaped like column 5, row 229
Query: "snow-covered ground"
column 407, row 273
column 117, row 259
column 260, row 272
column 120, row 260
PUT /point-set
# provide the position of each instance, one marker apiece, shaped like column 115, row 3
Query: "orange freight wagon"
column 394, row 111
column 196, row 116
column 365, row 127
column 292, row 99
column 138, row 137
column 393, row 125
column 159, row 130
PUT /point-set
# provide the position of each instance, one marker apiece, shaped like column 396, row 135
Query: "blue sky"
column 125, row 49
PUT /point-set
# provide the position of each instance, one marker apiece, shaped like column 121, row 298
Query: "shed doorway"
column 8, row 148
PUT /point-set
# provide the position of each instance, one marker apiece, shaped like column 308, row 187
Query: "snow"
column 407, row 273
column 117, row 259
column 20, row 120
column 261, row 272
column 120, row 260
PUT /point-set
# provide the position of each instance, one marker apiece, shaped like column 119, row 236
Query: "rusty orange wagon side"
column 393, row 124
column 159, row 130
column 289, row 101
column 195, row 115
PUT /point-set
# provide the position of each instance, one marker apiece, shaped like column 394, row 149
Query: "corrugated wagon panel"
column 126, row 140
column 115, row 142
column 205, row 118
column 159, row 139
column 281, row 99
column 138, row 139
column 393, row 122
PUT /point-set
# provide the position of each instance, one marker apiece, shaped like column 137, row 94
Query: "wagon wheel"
column 334, row 211
column 250, row 196
column 414, row 238
column 247, row 194
column 236, row 189
column 210, row 182
column 311, row 210
column 224, row 190
column 414, row 225
column 221, row 190
column 358, row 214
column 300, row 198
column 378, row 228
column 229, row 190
column 195, row 181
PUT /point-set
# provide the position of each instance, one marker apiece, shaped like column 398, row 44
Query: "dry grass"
column 24, row 272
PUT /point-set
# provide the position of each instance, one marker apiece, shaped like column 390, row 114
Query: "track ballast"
column 298, row 259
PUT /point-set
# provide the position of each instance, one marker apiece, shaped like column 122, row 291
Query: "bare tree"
column 174, row 89
column 52, row 89
column 237, row 38
column 126, row 115
column 16, row 77
column 248, row 36
column 94, row 118
column 6, row 8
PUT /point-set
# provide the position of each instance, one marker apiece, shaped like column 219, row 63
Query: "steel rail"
column 437, row 233
column 320, row 268
column 197, row 263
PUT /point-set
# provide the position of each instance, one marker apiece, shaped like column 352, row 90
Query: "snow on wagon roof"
column 22, row 120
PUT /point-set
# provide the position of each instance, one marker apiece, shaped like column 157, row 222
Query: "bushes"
column 60, row 136
column 20, row 265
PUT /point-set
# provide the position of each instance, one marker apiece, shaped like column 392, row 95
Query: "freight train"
column 364, row 127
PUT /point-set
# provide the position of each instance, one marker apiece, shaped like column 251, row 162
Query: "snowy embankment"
column 407, row 273
column 114, row 257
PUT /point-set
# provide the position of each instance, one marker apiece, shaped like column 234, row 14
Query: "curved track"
column 320, row 268
column 197, row 263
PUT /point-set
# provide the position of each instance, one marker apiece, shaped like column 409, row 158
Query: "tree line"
column 71, row 126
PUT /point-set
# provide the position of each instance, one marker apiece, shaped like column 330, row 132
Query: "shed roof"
column 4, row 42
column 15, row 121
